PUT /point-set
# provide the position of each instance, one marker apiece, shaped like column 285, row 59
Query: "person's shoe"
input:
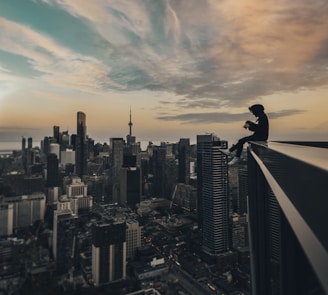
column 234, row 161
column 226, row 152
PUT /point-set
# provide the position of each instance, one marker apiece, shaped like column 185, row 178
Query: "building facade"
column 63, row 239
column 287, row 216
column 108, row 253
column 6, row 219
column 27, row 209
column 212, row 192
column 184, row 161
column 81, row 146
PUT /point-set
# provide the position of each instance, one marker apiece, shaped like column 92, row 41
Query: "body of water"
column 10, row 145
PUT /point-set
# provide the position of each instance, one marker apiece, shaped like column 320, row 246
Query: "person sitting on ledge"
column 260, row 132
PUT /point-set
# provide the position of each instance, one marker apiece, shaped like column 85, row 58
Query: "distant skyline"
column 184, row 67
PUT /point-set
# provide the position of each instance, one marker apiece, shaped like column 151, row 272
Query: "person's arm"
column 251, row 125
column 261, row 129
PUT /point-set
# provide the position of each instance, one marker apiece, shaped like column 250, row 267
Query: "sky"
column 183, row 67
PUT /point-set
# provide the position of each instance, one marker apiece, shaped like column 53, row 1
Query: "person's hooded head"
column 256, row 109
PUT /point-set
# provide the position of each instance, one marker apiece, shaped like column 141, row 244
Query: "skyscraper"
column 116, row 163
column 287, row 209
column 184, row 160
column 52, row 170
column 56, row 134
column 23, row 144
column 64, row 231
column 6, row 219
column 242, row 188
column 130, row 186
column 81, row 149
column 213, row 201
column 29, row 143
column 108, row 252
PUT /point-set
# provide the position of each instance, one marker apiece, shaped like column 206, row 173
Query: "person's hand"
column 246, row 125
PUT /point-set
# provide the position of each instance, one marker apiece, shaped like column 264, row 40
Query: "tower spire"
column 130, row 124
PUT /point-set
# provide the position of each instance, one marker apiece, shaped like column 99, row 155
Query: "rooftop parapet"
column 297, row 175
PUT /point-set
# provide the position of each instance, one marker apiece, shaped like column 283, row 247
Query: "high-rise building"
column 27, row 209
column 29, row 143
column 164, row 171
column 64, row 235
column 52, row 170
column 184, row 161
column 6, row 219
column 287, row 209
column 23, row 144
column 56, row 134
column 108, row 252
column 242, row 188
column 76, row 188
column 185, row 197
column 133, row 238
column 81, row 146
column 212, row 191
column 54, row 148
column 116, row 163
column 67, row 157
column 64, row 141
column 77, row 194
column 238, row 231
column 130, row 186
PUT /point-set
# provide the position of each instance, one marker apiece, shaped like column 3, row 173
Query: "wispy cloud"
column 229, row 52
column 207, row 53
column 221, row 117
column 57, row 65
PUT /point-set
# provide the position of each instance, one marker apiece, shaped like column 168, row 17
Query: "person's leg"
column 239, row 148
column 240, row 144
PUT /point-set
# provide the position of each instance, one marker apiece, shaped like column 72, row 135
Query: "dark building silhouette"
column 116, row 163
column 212, row 194
column 64, row 141
column 29, row 142
column 73, row 141
column 158, row 168
column 242, row 188
column 108, row 252
column 56, row 133
column 184, row 160
column 23, row 144
column 22, row 184
column 64, row 234
column 46, row 145
column 81, row 145
column 287, row 217
column 130, row 186
column 24, row 153
column 52, row 170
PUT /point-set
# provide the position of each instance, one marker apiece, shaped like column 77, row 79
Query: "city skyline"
column 183, row 67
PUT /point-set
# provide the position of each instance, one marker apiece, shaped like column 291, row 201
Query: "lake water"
column 10, row 145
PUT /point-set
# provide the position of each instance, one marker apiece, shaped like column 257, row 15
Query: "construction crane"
column 173, row 195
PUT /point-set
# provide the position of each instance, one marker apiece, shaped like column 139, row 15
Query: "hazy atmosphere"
column 184, row 67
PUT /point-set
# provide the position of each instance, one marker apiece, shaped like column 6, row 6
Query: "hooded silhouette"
column 260, row 132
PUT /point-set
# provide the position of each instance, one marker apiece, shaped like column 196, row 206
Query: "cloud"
column 57, row 65
column 221, row 117
column 207, row 53
column 228, row 52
